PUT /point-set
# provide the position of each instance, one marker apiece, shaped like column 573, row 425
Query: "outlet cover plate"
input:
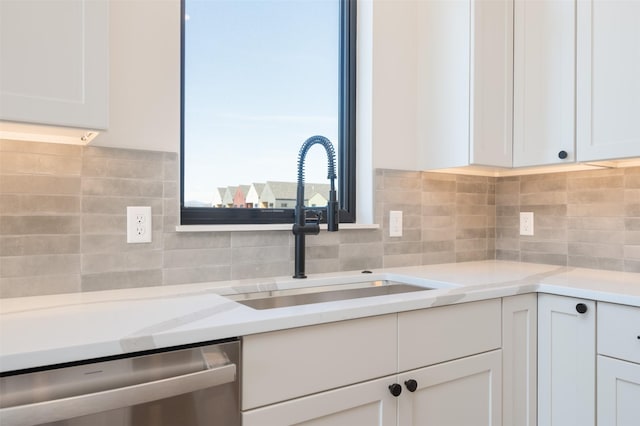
column 395, row 223
column 139, row 225
column 526, row 223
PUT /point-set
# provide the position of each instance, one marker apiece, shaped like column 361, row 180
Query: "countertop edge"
column 199, row 313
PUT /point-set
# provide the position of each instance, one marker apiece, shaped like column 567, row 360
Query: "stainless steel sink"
column 329, row 293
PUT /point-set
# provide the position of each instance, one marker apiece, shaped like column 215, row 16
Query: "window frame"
column 346, row 147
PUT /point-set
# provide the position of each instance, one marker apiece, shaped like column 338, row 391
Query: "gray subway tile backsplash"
column 33, row 285
column 39, row 265
column 63, row 223
column 121, row 279
column 39, row 225
column 35, row 184
column 590, row 228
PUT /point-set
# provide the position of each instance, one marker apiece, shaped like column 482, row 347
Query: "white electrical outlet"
column 139, row 224
column 395, row 223
column 526, row 223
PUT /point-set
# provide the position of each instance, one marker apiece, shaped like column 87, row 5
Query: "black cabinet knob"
column 563, row 154
column 581, row 308
column 395, row 389
column 411, row 385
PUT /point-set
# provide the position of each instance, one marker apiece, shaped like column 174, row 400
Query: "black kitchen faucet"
column 303, row 225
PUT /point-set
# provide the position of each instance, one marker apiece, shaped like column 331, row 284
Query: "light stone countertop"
column 47, row 330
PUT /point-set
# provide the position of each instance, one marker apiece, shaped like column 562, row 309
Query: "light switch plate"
column 526, row 223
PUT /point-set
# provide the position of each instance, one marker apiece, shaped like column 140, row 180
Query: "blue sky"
column 260, row 78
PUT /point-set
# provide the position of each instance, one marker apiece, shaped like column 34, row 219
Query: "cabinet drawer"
column 435, row 335
column 290, row 363
column 619, row 331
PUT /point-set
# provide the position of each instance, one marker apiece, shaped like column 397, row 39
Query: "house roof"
column 282, row 190
column 259, row 187
column 243, row 188
column 287, row 190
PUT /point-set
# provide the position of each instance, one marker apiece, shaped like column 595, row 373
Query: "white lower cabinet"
column 286, row 364
column 520, row 359
column 431, row 336
column 618, row 392
column 566, row 361
column 368, row 403
column 618, row 365
column 440, row 366
column 463, row 392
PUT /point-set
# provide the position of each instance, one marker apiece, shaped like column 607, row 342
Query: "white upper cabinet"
column 608, row 82
column 520, row 83
column 465, row 86
column 491, row 83
column 544, row 82
column 54, row 62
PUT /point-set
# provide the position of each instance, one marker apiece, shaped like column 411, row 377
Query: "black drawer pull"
column 411, row 385
column 581, row 308
column 395, row 389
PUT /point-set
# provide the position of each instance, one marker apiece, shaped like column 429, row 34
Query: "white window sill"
column 253, row 228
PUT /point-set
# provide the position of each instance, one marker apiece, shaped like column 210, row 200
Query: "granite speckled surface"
column 47, row 330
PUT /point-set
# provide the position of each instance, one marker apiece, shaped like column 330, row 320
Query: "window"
column 259, row 77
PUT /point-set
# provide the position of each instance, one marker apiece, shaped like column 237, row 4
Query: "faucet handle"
column 313, row 219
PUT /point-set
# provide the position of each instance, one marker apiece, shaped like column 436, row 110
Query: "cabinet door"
column 491, row 115
column 443, row 85
column 544, row 79
column 463, row 392
column 464, row 86
column 54, row 62
column 519, row 353
column 618, row 392
column 608, row 96
column 368, row 403
column 566, row 361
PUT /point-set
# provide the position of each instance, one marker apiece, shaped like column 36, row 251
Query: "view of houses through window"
column 260, row 77
column 270, row 194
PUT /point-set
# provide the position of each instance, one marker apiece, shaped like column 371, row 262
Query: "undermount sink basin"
column 329, row 293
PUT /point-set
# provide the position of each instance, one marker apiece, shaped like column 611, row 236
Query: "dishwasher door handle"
column 81, row 405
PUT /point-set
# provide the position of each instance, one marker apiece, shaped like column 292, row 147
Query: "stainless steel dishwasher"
column 183, row 387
